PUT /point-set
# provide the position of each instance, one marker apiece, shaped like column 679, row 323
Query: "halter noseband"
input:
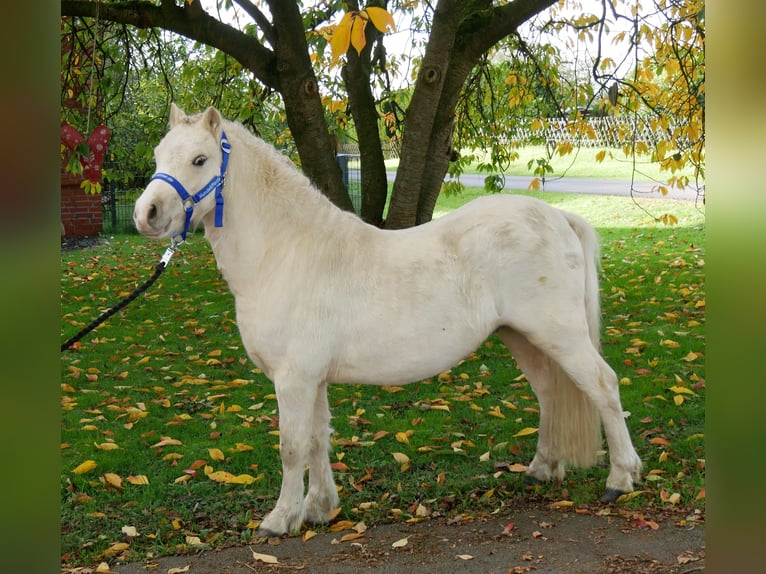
column 190, row 200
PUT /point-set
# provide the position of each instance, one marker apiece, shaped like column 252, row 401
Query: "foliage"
column 131, row 81
column 170, row 436
column 468, row 75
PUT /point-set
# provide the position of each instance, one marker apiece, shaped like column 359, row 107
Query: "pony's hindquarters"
column 577, row 390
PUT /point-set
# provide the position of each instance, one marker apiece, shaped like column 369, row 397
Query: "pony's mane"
column 272, row 180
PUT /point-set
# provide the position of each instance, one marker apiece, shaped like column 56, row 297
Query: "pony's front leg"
column 322, row 497
column 295, row 400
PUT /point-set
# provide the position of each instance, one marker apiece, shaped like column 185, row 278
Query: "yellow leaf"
column 358, row 40
column 562, row 504
column 526, row 432
column 403, row 437
column 216, row 454
column 106, row 446
column 381, row 19
column 179, row 570
column 308, row 535
column 138, row 480
column 193, row 541
column 341, row 36
column 464, row 557
column 534, row 185
column 116, row 548
column 495, row 412
column 103, row 568
column 86, row 466
column 600, row 156
column 114, row 479
column 400, row 457
column 681, row 390
column 630, row 495
column 678, row 400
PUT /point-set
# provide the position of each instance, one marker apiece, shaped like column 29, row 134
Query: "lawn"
column 169, row 435
column 581, row 162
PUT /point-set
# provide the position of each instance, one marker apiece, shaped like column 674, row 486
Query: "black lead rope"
column 161, row 266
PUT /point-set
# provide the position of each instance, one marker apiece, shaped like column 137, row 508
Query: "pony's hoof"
column 268, row 533
column 611, row 495
column 530, row 480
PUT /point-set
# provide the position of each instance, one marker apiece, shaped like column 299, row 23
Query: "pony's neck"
column 268, row 202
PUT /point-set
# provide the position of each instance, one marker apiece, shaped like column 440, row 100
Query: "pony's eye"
column 199, row 160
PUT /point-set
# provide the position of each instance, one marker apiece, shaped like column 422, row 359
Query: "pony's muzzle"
column 149, row 216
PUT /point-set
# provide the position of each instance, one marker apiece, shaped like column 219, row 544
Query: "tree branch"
column 188, row 20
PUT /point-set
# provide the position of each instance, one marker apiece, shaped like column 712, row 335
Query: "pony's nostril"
column 152, row 212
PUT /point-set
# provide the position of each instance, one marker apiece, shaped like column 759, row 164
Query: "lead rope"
column 161, row 266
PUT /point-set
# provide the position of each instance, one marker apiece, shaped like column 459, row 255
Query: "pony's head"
column 191, row 163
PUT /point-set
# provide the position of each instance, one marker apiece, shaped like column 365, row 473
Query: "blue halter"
column 190, row 200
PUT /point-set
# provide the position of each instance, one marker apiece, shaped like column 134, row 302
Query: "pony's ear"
column 212, row 120
column 177, row 115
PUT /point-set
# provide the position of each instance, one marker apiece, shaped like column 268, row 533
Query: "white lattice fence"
column 608, row 132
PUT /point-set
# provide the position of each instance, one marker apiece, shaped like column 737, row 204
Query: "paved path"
column 582, row 185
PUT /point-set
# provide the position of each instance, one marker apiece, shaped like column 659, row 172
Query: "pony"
column 323, row 297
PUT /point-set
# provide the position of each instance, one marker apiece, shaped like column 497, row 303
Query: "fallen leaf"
column 116, row 548
column 308, row 535
column 351, row 536
column 114, row 479
column 341, row 525
column 178, row 570
column 86, row 466
column 464, row 557
column 526, row 431
column 265, row 558
column 216, row 454
column 137, row 480
column 129, row 531
column 167, row 441
column 103, row 568
column 401, row 543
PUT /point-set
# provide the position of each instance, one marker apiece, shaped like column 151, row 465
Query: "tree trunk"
column 303, row 106
column 461, row 32
column 356, row 75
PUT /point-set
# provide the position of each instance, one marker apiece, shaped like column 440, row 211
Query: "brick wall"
column 81, row 213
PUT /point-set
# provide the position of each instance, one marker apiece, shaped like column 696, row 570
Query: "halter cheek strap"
column 190, row 200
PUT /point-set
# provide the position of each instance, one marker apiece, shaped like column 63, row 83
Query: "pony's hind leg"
column 553, row 451
column 322, row 497
column 593, row 376
column 295, row 400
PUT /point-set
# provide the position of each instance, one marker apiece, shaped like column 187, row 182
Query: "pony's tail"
column 575, row 425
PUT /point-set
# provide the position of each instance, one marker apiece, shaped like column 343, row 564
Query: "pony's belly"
column 407, row 362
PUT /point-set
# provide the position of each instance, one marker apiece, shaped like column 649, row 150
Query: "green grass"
column 172, row 365
column 580, row 163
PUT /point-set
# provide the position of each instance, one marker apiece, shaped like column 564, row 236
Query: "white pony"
column 323, row 297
